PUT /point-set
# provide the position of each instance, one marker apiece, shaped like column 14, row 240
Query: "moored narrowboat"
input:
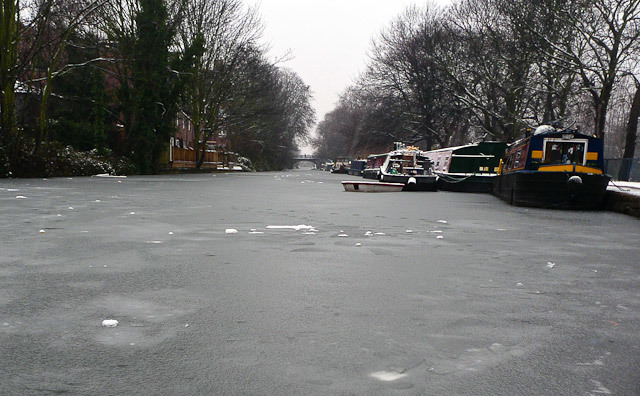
column 553, row 168
column 409, row 166
column 374, row 162
column 469, row 168
column 356, row 167
column 341, row 165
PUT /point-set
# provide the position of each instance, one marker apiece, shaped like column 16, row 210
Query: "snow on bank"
column 632, row 188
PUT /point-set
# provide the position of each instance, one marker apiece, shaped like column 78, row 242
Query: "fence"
column 623, row 169
column 186, row 158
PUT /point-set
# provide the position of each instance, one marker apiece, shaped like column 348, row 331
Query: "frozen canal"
column 379, row 294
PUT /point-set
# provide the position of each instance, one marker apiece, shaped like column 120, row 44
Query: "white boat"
column 409, row 166
column 366, row 186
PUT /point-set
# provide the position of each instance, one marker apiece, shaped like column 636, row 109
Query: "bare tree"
column 226, row 30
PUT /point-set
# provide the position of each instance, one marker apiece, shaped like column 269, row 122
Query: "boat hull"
column 412, row 183
column 371, row 174
column 358, row 186
column 552, row 189
column 465, row 183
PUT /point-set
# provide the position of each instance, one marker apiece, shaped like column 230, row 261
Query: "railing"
column 623, row 169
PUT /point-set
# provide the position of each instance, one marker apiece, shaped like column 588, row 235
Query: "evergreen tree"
column 153, row 85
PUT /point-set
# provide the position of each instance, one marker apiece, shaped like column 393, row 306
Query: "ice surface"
column 109, row 323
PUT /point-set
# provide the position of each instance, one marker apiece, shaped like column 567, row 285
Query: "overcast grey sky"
column 328, row 39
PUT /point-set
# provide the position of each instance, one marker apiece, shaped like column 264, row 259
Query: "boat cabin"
column 552, row 150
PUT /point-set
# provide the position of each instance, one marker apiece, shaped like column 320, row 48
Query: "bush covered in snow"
column 60, row 161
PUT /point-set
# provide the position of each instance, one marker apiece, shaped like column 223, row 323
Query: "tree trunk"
column 631, row 134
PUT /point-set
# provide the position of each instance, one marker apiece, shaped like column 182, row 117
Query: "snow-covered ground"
column 625, row 187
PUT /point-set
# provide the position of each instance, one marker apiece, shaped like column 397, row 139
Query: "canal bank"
column 624, row 198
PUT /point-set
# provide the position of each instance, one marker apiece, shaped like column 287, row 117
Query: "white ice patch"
column 132, row 213
column 519, row 284
column 409, row 231
column 153, row 242
column 12, row 189
column 256, row 232
column 300, row 227
column 368, row 233
column 343, row 235
column 109, row 323
column 231, row 231
column 170, row 232
column 550, row 264
column 442, row 221
column 20, row 197
column 439, row 237
column 387, row 376
column 70, row 208
column 97, row 200
column 436, row 231
column 358, row 244
column 109, row 176
column 380, row 233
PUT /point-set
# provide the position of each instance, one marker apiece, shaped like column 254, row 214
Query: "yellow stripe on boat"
column 592, row 155
column 536, row 154
column 570, row 168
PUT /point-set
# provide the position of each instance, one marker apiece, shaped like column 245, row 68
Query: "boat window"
column 518, row 155
column 562, row 152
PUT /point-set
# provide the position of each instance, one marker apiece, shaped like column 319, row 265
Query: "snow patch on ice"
column 387, row 376
column 343, row 235
column 439, row 237
column 409, row 231
column 109, row 323
column 358, row 244
column 20, row 197
column 550, row 264
column 300, row 227
column 231, row 231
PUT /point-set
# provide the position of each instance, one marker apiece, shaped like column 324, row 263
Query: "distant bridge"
column 310, row 158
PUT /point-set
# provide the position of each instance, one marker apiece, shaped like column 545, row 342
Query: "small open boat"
column 366, row 186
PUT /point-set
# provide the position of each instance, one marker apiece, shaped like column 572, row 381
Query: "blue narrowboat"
column 553, row 168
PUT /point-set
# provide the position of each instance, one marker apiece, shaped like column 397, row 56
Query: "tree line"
column 110, row 76
column 490, row 69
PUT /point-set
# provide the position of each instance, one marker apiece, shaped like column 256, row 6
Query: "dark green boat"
column 470, row 168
